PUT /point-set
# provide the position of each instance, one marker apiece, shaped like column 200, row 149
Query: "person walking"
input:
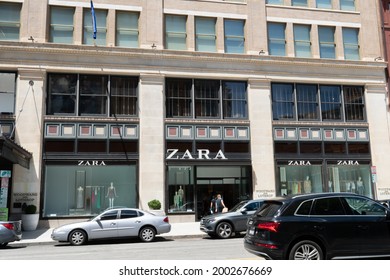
column 219, row 204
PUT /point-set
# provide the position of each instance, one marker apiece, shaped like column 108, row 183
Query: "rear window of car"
column 304, row 208
column 269, row 209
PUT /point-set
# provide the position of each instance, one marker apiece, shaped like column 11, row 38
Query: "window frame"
column 326, row 45
column 301, row 41
column 180, row 33
column 276, row 41
column 207, row 37
column 61, row 26
column 351, row 43
column 11, row 24
column 234, row 42
column 127, row 31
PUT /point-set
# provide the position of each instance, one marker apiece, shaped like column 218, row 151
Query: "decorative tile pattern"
column 316, row 134
column 186, row 132
column 363, row 134
column 243, row 132
column 328, row 134
column 100, row 130
column 85, row 130
column 215, row 132
column 68, row 130
column 339, row 134
column 173, row 131
column 279, row 133
column 291, row 133
column 229, row 132
column 304, row 133
column 53, row 130
column 131, row 131
column 116, row 131
column 201, row 132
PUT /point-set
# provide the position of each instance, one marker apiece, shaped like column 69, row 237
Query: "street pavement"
column 178, row 230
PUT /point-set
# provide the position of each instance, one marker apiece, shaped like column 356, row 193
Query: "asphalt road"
column 161, row 249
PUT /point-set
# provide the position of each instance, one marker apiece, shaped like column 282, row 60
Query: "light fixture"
column 31, row 39
column 154, row 46
column 262, row 52
column 379, row 58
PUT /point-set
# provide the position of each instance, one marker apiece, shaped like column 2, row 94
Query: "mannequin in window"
column 176, row 200
column 307, row 185
column 295, row 187
column 111, row 194
column 330, row 186
column 180, row 193
column 359, row 186
column 80, row 197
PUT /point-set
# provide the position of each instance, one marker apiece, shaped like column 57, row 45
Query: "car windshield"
column 269, row 209
column 238, row 206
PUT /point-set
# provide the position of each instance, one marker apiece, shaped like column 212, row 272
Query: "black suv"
column 319, row 226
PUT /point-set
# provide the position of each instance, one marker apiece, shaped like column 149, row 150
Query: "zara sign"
column 200, row 155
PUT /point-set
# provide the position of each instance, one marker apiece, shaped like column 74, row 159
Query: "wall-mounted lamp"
column 379, row 58
column 31, row 39
column 262, row 52
column 154, row 46
column 31, row 82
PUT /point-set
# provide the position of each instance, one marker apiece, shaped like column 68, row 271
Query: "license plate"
column 251, row 231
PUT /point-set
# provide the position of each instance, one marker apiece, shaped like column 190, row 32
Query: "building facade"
column 177, row 100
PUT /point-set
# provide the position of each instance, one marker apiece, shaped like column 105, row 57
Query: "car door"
column 129, row 223
column 372, row 225
column 334, row 226
column 104, row 226
column 241, row 219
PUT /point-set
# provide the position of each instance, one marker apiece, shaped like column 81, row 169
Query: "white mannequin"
column 307, row 185
column 111, row 194
column 80, row 197
column 360, row 186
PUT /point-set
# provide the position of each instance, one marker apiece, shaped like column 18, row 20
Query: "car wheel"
column 306, row 250
column 147, row 234
column 224, row 230
column 78, row 237
column 2, row 245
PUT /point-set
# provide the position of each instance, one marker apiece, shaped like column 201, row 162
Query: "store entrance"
column 205, row 194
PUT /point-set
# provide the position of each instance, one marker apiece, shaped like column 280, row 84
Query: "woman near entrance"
column 217, row 204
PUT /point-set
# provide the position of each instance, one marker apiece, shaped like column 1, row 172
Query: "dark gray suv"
column 319, row 226
column 223, row 225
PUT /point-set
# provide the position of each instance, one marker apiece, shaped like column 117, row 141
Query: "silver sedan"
column 10, row 231
column 114, row 224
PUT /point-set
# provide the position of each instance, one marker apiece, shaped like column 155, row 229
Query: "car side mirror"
column 243, row 211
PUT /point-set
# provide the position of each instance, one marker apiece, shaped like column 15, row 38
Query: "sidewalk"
column 178, row 230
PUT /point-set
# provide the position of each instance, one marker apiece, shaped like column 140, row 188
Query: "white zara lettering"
column 202, row 154
column 299, row 162
column 91, row 163
column 348, row 162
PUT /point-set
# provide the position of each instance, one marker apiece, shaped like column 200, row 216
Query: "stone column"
column 151, row 139
column 260, row 114
column 29, row 111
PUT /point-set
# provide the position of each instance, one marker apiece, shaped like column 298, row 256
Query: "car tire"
column 212, row 235
column 147, row 234
column 306, row 250
column 78, row 237
column 3, row 245
column 224, row 230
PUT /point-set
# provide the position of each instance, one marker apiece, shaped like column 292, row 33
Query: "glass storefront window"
column 88, row 190
column 297, row 179
column 350, row 178
column 181, row 189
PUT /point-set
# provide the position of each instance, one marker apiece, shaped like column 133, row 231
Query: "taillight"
column 166, row 219
column 9, row 226
column 270, row 226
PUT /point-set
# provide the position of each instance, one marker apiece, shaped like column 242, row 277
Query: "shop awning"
column 11, row 151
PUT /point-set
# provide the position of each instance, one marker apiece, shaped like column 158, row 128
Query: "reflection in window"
column 61, row 25
column 282, row 101
column 7, row 93
column 234, row 36
column 234, row 99
column 127, row 29
column 205, row 38
column 307, row 101
column 351, row 43
column 181, row 189
column 326, row 41
column 175, row 32
column 101, row 18
column 10, row 21
column 178, row 97
column 206, row 98
column 62, row 90
column 302, row 42
column 330, row 102
column 93, row 95
column 302, row 3
column 276, row 39
column 324, row 4
column 354, row 103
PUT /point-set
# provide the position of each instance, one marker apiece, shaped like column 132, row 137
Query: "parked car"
column 10, row 231
column 319, row 226
column 114, row 223
column 223, row 225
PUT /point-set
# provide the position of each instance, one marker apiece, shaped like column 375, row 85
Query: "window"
column 112, row 215
column 127, row 29
column 330, row 102
column 328, row 206
column 175, row 32
column 304, row 208
column 123, row 96
column 7, row 93
column 277, row 39
column 208, row 97
column 354, row 103
column 91, row 93
column 351, row 43
column 347, row 5
column 302, row 3
column 206, row 94
column 101, row 17
column 277, row 2
column 302, row 42
column 9, row 21
column 126, row 214
column 326, row 41
column 61, row 25
column 282, row 101
column 324, row 4
column 234, row 36
column 178, row 97
column 234, row 99
column 62, row 90
column 205, row 34
column 307, row 102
